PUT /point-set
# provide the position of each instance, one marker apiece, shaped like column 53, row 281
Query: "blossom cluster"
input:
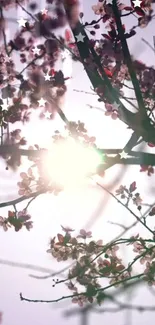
column 16, row 220
column 96, row 262
column 127, row 193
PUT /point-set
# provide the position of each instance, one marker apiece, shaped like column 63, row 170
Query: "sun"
column 69, row 163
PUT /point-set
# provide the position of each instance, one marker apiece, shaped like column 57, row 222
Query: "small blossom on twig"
column 84, row 234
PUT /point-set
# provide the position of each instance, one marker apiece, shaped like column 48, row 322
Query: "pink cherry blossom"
column 84, row 234
column 99, row 9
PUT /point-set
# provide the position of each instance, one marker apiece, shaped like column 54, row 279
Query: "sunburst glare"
column 69, row 163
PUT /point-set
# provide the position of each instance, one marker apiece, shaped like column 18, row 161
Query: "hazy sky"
column 75, row 208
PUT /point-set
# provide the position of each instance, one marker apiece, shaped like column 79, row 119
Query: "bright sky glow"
column 79, row 207
column 69, row 163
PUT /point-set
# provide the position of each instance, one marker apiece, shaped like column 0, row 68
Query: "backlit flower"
column 99, row 9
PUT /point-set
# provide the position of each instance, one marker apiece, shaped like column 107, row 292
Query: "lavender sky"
column 75, row 208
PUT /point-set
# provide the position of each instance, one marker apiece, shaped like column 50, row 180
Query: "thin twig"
column 138, row 219
column 135, row 277
column 147, row 43
column 26, row 11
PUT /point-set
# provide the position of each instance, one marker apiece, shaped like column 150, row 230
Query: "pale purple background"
column 74, row 209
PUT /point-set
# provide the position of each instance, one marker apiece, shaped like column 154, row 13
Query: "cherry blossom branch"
column 135, row 277
column 131, row 143
column 138, row 219
column 131, row 119
column 127, row 86
column 31, row 62
column 85, row 92
column 60, row 112
column 134, row 223
column 23, row 198
column 113, row 93
column 12, row 149
column 129, row 64
column 94, row 77
column 101, row 18
column 127, row 117
column 89, row 93
column 128, row 99
column 121, row 306
column 62, row 115
column 110, row 246
column 105, row 77
column 137, row 158
column 47, row 301
column 127, row 14
column 93, row 22
column 147, row 251
column 141, row 157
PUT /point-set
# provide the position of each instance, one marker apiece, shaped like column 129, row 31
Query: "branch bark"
column 22, row 198
column 139, row 124
column 137, row 158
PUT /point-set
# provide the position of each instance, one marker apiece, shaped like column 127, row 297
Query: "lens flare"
column 69, row 163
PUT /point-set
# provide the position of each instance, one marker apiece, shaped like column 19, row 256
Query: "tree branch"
column 138, row 219
column 135, row 277
column 129, row 64
column 131, row 119
column 22, row 198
